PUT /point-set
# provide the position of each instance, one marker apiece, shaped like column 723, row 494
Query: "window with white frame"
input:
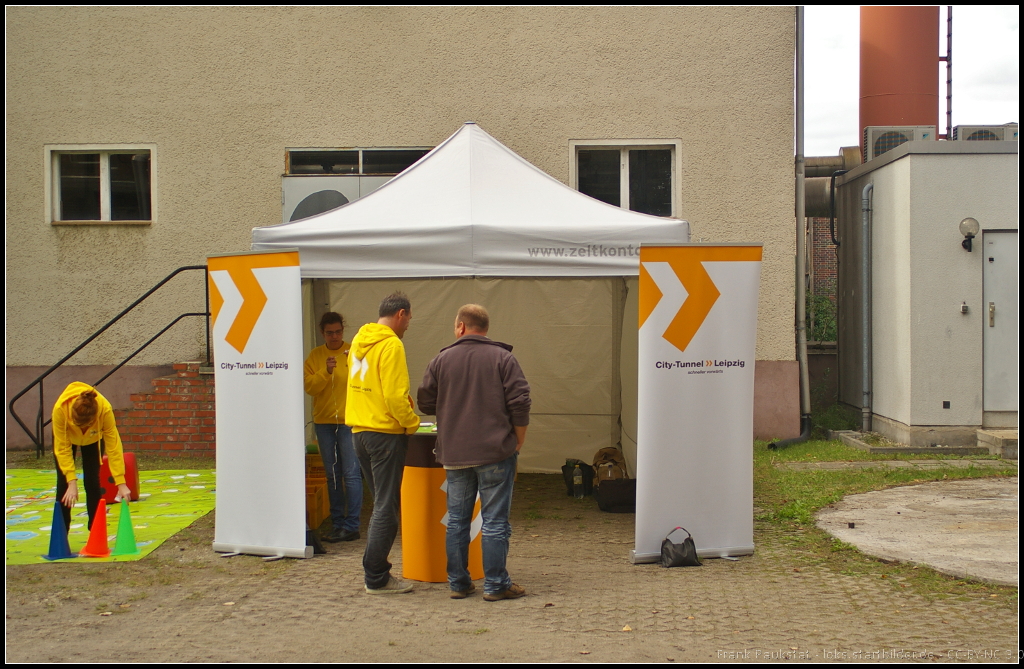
column 103, row 184
column 640, row 175
column 356, row 161
column 319, row 180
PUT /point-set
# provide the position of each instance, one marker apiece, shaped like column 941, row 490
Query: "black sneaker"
column 335, row 536
column 348, row 535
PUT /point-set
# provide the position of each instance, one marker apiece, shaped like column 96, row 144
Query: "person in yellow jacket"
column 379, row 411
column 82, row 418
column 325, row 377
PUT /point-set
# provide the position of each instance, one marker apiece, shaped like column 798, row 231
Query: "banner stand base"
column 269, row 551
column 729, row 551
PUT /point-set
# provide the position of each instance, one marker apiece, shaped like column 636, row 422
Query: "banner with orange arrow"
column 698, row 328
column 256, row 322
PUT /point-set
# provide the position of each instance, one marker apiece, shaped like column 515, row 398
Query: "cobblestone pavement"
column 586, row 603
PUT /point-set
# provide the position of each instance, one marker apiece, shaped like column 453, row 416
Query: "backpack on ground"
column 609, row 464
column 614, row 491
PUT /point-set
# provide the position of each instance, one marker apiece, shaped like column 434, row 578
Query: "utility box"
column 880, row 139
column 991, row 133
column 942, row 325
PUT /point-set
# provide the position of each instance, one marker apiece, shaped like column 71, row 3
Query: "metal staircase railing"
column 41, row 422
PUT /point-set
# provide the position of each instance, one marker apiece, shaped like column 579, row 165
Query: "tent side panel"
column 564, row 332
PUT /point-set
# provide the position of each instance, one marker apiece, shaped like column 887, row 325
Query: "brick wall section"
column 177, row 418
column 823, row 259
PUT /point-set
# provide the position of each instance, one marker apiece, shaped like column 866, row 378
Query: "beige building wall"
column 221, row 92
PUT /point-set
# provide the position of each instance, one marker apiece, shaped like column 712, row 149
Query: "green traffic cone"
column 125, row 544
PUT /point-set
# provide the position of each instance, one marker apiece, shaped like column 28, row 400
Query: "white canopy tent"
column 472, row 221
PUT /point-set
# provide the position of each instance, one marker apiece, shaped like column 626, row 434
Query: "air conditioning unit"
column 881, row 138
column 992, row 133
column 307, row 195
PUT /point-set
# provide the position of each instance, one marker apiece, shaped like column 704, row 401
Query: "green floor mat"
column 168, row 502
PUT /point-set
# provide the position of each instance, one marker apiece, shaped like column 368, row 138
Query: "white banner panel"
column 256, row 306
column 695, row 418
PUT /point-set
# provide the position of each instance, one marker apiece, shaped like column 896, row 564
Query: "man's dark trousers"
column 382, row 459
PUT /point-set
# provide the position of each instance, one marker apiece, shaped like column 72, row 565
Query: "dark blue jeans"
column 344, row 486
column 494, row 485
column 382, row 458
column 92, row 454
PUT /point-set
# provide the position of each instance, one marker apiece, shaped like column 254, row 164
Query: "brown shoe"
column 512, row 592
column 462, row 594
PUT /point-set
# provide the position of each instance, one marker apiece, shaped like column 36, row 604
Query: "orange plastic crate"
column 316, row 496
column 315, row 467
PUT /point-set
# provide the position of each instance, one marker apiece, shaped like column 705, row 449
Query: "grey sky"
column 986, row 66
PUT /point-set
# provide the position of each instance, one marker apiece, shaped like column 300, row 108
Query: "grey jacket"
column 478, row 392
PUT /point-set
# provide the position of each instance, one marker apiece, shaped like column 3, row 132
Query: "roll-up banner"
column 695, row 419
column 256, row 310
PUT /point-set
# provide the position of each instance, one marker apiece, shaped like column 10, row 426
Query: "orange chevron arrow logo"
column 701, row 293
column 240, row 270
column 650, row 294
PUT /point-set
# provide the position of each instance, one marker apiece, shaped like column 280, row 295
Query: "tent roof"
column 471, row 207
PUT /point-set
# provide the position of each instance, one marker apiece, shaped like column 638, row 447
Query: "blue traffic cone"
column 59, row 547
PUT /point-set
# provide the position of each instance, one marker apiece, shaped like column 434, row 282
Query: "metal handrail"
column 40, row 423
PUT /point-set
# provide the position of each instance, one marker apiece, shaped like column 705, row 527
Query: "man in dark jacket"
column 481, row 399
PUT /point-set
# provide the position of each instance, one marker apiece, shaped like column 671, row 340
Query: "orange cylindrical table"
column 425, row 516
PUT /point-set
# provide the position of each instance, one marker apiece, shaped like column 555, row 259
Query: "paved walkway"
column 586, row 603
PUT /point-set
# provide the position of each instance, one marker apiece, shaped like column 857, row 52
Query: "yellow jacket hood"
column 66, row 434
column 369, row 336
column 75, row 389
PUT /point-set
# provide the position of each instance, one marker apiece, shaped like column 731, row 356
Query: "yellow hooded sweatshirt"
column 66, row 433
column 378, row 383
column 328, row 390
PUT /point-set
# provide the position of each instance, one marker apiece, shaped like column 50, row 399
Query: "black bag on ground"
column 588, row 476
column 683, row 554
column 616, row 495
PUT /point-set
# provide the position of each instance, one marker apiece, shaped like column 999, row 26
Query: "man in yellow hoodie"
column 325, row 377
column 82, row 418
column 379, row 411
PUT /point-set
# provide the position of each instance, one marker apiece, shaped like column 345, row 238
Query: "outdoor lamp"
column 969, row 228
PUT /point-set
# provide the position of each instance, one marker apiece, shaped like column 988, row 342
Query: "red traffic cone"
column 97, row 544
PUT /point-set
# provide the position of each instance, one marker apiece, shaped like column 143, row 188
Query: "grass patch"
column 834, row 417
column 788, row 501
column 797, row 495
column 823, row 450
column 144, row 461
